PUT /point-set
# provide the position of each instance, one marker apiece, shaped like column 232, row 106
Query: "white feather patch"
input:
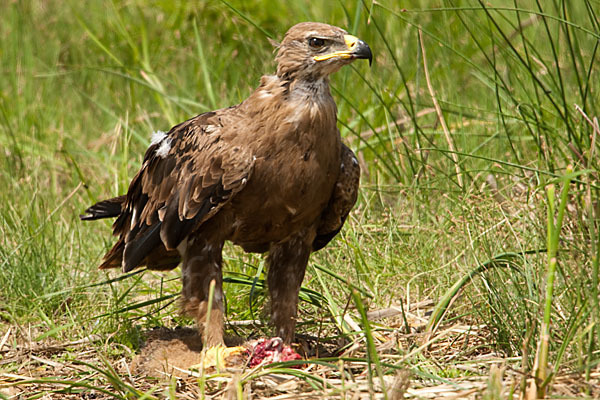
column 164, row 148
column 210, row 128
column 133, row 218
column 157, row 137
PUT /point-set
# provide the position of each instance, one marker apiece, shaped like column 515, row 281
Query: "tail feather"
column 144, row 249
column 158, row 258
column 137, row 249
column 104, row 209
column 113, row 258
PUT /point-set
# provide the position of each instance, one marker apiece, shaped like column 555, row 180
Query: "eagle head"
column 311, row 51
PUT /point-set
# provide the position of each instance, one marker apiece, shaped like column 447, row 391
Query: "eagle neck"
column 313, row 92
column 309, row 86
column 312, row 99
column 303, row 105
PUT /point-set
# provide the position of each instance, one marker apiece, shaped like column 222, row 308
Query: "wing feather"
column 177, row 190
column 342, row 200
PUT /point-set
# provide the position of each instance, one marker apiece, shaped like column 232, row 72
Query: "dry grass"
column 464, row 351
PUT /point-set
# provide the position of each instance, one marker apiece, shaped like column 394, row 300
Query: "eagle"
column 270, row 174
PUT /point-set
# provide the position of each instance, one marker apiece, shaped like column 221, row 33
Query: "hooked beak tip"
column 363, row 51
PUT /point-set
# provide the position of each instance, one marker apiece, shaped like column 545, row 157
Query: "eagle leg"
column 201, row 265
column 286, row 266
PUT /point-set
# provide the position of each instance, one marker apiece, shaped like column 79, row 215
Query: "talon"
column 222, row 357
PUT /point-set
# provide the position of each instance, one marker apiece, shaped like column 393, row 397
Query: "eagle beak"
column 356, row 49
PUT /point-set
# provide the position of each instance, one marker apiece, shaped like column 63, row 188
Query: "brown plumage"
column 269, row 174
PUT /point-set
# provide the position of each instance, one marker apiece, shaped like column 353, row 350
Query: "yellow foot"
column 222, row 357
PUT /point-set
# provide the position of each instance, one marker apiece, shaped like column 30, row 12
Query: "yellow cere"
column 350, row 41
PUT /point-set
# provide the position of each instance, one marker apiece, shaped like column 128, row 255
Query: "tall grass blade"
column 555, row 220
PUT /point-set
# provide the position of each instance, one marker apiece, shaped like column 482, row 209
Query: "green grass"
column 83, row 85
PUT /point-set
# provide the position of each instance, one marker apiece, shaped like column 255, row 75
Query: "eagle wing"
column 342, row 200
column 187, row 176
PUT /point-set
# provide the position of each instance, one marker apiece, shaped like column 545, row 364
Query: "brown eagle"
column 270, row 175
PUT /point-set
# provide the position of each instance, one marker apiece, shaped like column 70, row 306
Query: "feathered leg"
column 287, row 264
column 202, row 264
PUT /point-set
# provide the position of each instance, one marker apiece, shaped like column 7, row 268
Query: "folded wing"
column 342, row 200
column 187, row 176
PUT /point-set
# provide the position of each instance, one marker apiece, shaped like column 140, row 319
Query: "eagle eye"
column 315, row 42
